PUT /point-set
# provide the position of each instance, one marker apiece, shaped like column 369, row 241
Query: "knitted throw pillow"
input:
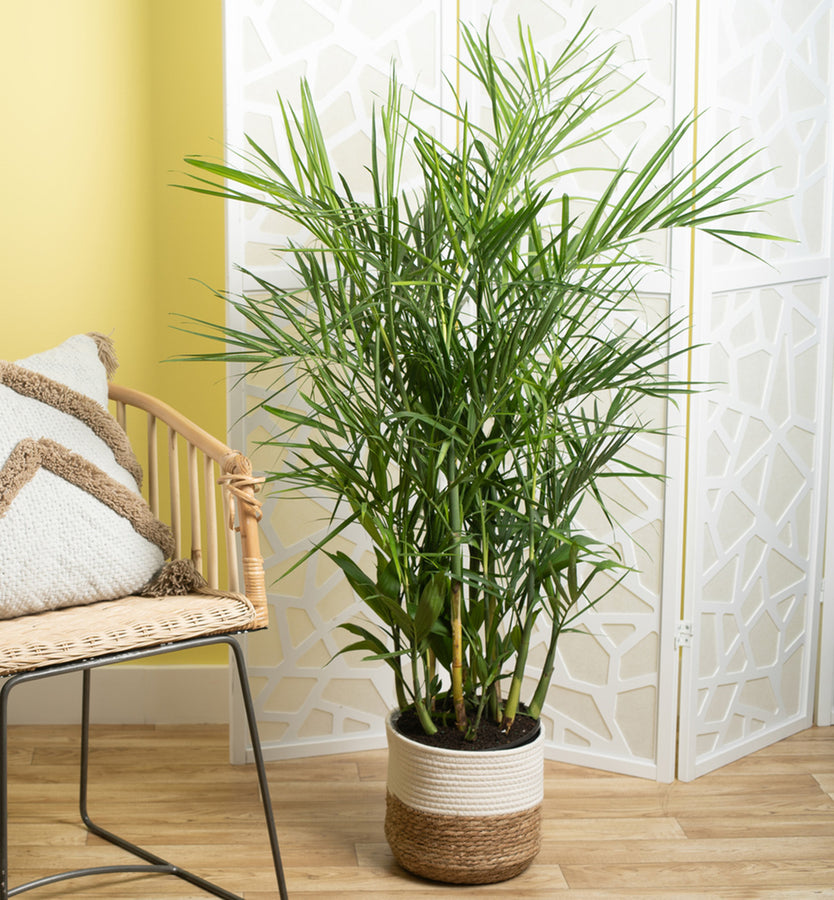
column 73, row 526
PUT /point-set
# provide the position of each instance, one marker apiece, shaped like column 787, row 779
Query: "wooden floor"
column 760, row 828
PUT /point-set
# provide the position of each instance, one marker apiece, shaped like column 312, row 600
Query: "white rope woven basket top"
column 463, row 782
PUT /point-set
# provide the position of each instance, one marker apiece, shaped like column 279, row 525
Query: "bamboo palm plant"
column 469, row 357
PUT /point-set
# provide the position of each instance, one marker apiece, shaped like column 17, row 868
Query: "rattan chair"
column 84, row 638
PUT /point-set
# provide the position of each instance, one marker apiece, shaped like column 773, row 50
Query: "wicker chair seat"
column 110, row 626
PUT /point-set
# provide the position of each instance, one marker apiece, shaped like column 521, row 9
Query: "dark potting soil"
column 489, row 736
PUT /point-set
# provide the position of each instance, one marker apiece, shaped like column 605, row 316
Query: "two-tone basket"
column 464, row 817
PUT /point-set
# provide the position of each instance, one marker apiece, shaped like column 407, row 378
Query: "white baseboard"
column 127, row 695
column 275, row 752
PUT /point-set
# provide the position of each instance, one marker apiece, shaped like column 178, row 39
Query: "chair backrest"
column 204, row 530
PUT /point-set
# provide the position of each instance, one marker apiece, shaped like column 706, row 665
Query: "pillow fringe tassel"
column 179, row 577
column 106, row 352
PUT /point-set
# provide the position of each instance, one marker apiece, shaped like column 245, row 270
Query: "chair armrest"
column 236, row 481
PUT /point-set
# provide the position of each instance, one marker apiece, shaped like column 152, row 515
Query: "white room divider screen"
column 733, row 537
column 759, row 444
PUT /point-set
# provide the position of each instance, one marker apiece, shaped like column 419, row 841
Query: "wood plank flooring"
column 760, row 828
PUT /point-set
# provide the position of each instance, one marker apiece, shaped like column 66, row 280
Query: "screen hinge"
column 683, row 634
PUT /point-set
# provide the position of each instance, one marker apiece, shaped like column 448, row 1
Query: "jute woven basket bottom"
column 463, row 817
column 462, row 849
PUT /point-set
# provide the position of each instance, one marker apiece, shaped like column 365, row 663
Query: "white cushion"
column 73, row 527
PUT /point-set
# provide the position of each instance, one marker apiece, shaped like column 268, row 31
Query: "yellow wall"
column 102, row 99
column 76, row 218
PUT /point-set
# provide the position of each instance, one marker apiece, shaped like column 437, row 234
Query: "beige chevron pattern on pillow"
column 73, row 527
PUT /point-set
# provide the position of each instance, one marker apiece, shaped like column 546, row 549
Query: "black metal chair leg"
column 161, row 865
column 153, row 864
column 5, row 891
column 259, row 764
column 4, row 796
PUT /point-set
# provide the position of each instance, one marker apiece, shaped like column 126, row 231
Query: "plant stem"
column 472, row 731
column 514, row 696
column 456, row 616
column 457, row 659
column 425, row 719
column 420, row 707
column 402, row 702
column 536, row 704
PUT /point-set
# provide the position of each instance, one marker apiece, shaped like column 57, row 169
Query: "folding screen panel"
column 749, row 547
column 603, row 708
column 344, row 50
column 825, row 682
column 758, row 444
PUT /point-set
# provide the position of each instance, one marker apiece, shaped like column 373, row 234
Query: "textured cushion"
column 73, row 527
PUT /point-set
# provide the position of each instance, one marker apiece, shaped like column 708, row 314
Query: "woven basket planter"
column 464, row 817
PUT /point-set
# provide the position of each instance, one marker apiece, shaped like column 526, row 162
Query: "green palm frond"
column 463, row 364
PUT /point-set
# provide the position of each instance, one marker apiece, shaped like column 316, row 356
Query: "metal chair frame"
column 153, row 864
